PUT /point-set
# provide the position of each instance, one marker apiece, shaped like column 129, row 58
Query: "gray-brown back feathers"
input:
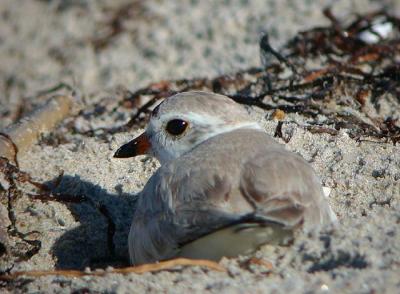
column 238, row 176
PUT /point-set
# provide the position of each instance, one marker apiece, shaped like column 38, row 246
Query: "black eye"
column 176, row 127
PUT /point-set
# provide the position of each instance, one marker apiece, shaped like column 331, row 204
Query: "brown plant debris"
column 115, row 24
column 13, row 175
column 145, row 268
column 352, row 75
column 351, row 78
column 265, row 263
column 20, row 136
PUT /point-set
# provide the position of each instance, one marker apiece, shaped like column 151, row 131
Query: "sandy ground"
column 43, row 43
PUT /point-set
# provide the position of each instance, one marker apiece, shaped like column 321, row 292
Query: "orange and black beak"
column 140, row 145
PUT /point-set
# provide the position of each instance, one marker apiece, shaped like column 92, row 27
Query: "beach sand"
column 45, row 43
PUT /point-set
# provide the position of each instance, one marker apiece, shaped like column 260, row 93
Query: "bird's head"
column 183, row 121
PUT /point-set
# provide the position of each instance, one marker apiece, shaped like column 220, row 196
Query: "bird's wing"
column 182, row 203
column 276, row 192
column 210, row 218
column 179, row 204
column 283, row 187
column 204, row 200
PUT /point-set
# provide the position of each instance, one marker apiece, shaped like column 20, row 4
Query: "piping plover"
column 224, row 188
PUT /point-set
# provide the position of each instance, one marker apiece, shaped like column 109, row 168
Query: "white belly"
column 240, row 239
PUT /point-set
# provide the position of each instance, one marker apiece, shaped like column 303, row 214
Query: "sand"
column 44, row 43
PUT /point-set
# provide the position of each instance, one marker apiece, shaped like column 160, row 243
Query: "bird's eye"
column 176, row 127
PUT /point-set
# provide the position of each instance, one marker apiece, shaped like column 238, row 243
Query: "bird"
column 224, row 187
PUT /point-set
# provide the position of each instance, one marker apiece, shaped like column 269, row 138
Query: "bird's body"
column 227, row 195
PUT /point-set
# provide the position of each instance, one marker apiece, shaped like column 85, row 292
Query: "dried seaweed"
column 115, row 24
column 352, row 73
column 14, row 176
column 145, row 268
column 20, row 136
column 351, row 76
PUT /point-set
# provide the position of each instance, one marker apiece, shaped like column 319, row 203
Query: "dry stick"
column 151, row 267
column 20, row 136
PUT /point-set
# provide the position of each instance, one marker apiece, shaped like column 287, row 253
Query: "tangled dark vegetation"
column 343, row 76
column 350, row 79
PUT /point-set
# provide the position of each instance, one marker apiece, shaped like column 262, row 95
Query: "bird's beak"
column 138, row 146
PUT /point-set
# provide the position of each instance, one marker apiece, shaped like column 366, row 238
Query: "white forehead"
column 194, row 117
column 199, row 109
column 214, row 124
column 200, row 102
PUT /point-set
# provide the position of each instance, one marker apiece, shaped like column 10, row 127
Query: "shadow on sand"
column 101, row 238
